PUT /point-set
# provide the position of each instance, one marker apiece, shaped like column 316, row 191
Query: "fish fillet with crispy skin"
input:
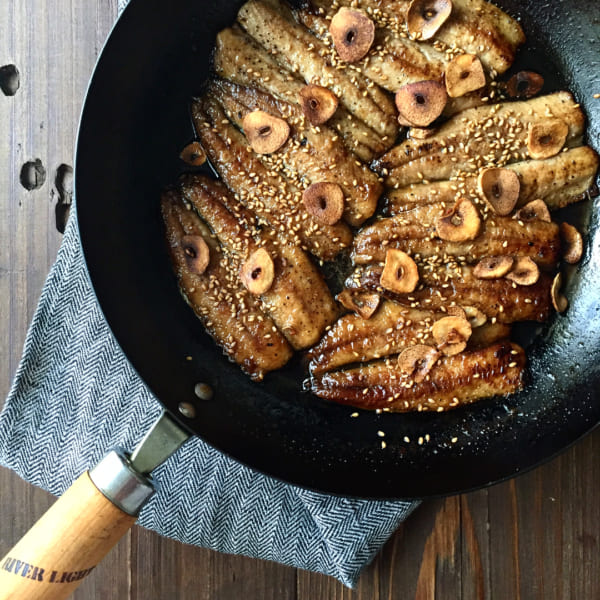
column 298, row 301
column 300, row 51
column 315, row 155
column 413, row 231
column 353, row 339
column 239, row 59
column 453, row 381
column 395, row 61
column 392, row 328
column 478, row 137
column 229, row 313
column 499, row 299
column 274, row 199
column 559, row 181
column 474, row 26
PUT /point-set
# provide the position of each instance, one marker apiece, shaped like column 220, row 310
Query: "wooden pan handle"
column 65, row 545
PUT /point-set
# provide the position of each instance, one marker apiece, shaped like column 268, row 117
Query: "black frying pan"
column 134, row 124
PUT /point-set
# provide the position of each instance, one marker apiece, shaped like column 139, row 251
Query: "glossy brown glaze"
column 413, row 231
column 559, row 181
column 229, row 313
column 499, row 299
column 274, row 198
column 436, row 212
column 240, row 59
column 396, row 60
column 300, row 51
column 475, row 26
column 392, row 328
column 299, row 301
column 353, row 339
column 314, row 154
column 453, row 381
column 487, row 135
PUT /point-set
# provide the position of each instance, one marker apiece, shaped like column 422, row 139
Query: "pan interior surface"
column 135, row 123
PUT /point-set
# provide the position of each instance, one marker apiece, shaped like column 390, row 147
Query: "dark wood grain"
column 535, row 537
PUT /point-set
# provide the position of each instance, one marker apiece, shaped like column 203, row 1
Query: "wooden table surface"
column 536, row 536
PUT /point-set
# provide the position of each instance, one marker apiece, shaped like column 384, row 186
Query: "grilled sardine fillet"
column 475, row 26
column 241, row 60
column 453, row 381
column 229, row 313
column 413, row 231
column 312, row 155
column 298, row 302
column 499, row 299
column 478, row 137
column 273, row 198
column 300, row 51
column 559, row 181
column 396, row 61
column 392, row 328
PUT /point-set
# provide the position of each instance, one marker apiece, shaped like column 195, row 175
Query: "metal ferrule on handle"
column 118, row 481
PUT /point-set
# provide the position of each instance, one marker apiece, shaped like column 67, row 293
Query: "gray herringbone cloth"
column 75, row 396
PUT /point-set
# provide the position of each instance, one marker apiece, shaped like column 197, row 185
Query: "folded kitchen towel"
column 75, row 396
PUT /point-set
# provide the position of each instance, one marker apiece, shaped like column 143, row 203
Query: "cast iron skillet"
column 134, row 124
